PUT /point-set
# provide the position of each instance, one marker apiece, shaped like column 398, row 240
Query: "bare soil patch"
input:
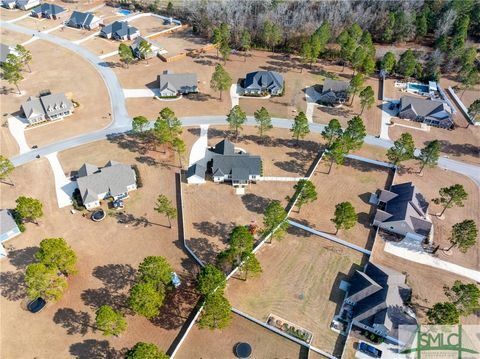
column 148, row 25
column 41, row 24
column 352, row 182
column 204, row 343
column 100, row 46
column 10, row 14
column 300, row 283
column 12, row 38
column 72, row 34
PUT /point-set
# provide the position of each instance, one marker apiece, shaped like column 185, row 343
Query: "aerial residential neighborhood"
column 239, row 179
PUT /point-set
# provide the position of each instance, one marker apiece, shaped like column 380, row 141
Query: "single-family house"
column 172, row 84
column 47, row 108
column 155, row 48
column 239, row 168
column 258, row 82
column 196, row 174
column 8, row 229
column 27, row 4
column 6, row 50
column 9, row 4
column 84, row 20
column 429, row 111
column 119, row 30
column 48, row 11
column 334, row 92
column 115, row 180
column 378, row 298
column 402, row 210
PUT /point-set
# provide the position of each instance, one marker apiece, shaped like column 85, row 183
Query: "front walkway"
column 63, row 186
column 412, row 250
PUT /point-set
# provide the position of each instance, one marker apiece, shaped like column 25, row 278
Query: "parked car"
column 36, row 305
column 369, row 350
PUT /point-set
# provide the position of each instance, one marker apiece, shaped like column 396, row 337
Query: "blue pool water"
column 124, row 12
column 417, row 87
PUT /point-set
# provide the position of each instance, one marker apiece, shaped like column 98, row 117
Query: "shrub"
column 77, row 200
column 137, row 175
column 18, row 220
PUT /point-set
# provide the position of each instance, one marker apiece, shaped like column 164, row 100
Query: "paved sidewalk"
column 137, row 93
column 17, row 129
column 412, row 250
column 63, row 186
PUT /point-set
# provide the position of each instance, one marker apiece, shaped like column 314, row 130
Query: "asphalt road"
column 121, row 121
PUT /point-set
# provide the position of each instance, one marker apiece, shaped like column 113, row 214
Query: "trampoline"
column 98, row 215
column 243, row 350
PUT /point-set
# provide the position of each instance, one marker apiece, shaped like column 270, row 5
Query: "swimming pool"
column 417, row 88
column 124, row 12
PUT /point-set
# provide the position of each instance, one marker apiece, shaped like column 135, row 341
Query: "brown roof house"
column 334, row 92
column 403, row 210
column 431, row 112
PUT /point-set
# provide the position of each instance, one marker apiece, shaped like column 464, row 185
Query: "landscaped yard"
column 352, row 182
column 205, row 343
column 299, row 283
column 108, row 255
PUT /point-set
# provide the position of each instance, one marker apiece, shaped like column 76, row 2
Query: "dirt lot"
column 426, row 282
column 10, row 14
column 99, row 45
column 108, row 14
column 12, row 38
column 108, row 255
column 148, row 25
column 71, row 33
column 209, row 344
column 428, row 185
column 60, row 70
column 352, row 182
column 299, row 283
column 179, row 42
column 41, row 24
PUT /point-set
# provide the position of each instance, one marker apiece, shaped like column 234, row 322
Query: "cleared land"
column 149, row 25
column 299, row 283
column 41, row 24
column 10, row 14
column 352, row 182
column 99, row 45
column 108, row 254
column 60, row 70
column 220, row 343
column 428, row 185
column 71, row 33
column 12, row 38
column 179, row 42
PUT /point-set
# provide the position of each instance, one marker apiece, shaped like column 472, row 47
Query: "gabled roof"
column 7, row 223
column 224, row 147
column 86, row 170
column 263, row 80
column 56, row 103
column 50, row 9
column 244, row 165
column 425, row 108
column 175, row 81
column 335, row 86
column 5, row 50
column 196, row 170
column 32, row 107
column 119, row 28
column 136, row 43
column 82, row 18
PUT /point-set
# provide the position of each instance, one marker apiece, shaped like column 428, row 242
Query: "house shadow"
column 12, row 286
column 337, row 111
column 96, row 349
column 75, row 322
column 254, row 203
column 199, row 96
column 153, row 85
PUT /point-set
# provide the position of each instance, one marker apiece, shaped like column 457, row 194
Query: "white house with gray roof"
column 6, row 50
column 48, row 11
column 8, row 229
column 9, row 4
column 257, row 82
column 155, row 48
column 334, row 92
column 172, row 84
column 47, row 108
column 119, row 30
column 84, row 20
column 115, row 180
column 27, row 4
column 432, row 112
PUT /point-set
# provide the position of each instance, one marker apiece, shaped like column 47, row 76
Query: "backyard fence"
column 462, row 107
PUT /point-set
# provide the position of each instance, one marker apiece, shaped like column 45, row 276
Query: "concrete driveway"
column 64, row 187
column 17, row 129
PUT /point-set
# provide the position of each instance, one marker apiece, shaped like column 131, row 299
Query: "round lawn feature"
column 243, row 350
column 98, row 215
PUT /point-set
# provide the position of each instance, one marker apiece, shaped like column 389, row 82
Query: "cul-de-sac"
column 215, row 179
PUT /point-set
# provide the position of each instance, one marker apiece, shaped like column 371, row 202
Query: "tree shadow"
column 254, row 203
column 115, row 276
column 95, row 298
column 12, row 285
column 291, row 166
column 134, row 221
column 75, row 322
column 364, row 166
column 199, row 96
column 130, row 143
column 336, row 111
column 204, row 249
column 147, row 160
column 21, row 258
column 457, row 150
column 195, row 131
column 96, row 349
column 218, row 229
column 298, row 232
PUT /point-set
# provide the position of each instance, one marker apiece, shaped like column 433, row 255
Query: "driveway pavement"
column 17, row 129
column 311, row 96
column 199, row 148
column 63, row 186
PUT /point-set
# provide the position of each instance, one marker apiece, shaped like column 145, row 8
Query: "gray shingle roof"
column 5, row 50
column 243, row 164
column 263, row 80
column 55, row 104
column 139, row 39
column 48, row 9
column 7, row 222
column 119, row 28
column 425, row 108
column 32, row 107
column 177, row 81
column 224, row 147
column 81, row 19
column 196, row 170
column 335, row 86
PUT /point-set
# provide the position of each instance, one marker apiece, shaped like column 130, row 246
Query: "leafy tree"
column 443, row 314
column 451, row 196
column 368, row 65
column 305, row 193
column 441, row 43
column 421, row 25
column 468, row 78
column 324, row 32
column 251, row 266
column 179, row 146
column 221, row 38
column 316, row 47
column 300, row 127
column 24, row 55
column 146, row 350
column 332, row 132
column 126, row 54
column 139, row 124
column 210, row 279
column 429, row 155
column 367, row 43
column 216, row 312
column 356, row 83
column 355, row 32
column 337, row 152
column 162, row 133
column 306, row 54
column 264, row 121
column 29, row 208
column 42, row 281
column 388, row 62
column 358, row 57
column 388, row 32
column 145, row 49
column 146, row 300
column 272, row 34
column 221, row 80
column 345, row 216
column 354, row 134
column 236, row 118
column 407, row 63
column 464, row 296
column 56, row 253
column 473, row 111
column 402, row 149
column 246, row 43
column 110, row 321
column 367, row 97
column 402, row 26
column 241, row 242
column 464, row 235
column 347, row 48
column 225, row 51
column 11, row 74
column 6, row 167
column 155, row 270
column 173, row 123
column 275, row 217
column 164, row 206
